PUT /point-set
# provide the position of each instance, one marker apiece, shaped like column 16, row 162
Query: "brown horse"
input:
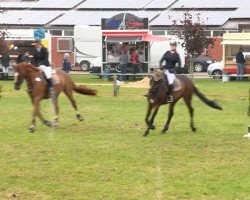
column 157, row 95
column 37, row 90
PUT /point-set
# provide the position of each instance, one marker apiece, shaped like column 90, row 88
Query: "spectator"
column 134, row 62
column 240, row 60
column 5, row 63
column 66, row 63
column 123, row 65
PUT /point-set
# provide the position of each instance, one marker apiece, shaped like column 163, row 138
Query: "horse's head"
column 18, row 76
column 157, row 87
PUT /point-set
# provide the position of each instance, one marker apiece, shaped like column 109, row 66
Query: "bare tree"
column 192, row 34
column 190, row 30
column 3, row 47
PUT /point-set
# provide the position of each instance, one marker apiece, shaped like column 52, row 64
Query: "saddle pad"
column 177, row 84
column 55, row 79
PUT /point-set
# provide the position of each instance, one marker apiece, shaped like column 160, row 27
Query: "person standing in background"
column 66, row 65
column 134, row 62
column 123, row 65
column 5, row 63
column 240, row 60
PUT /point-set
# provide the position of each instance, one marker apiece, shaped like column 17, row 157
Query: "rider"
column 41, row 60
column 171, row 58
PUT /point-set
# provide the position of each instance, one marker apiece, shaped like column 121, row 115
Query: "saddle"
column 160, row 75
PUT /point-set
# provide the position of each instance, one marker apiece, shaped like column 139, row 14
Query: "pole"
column 116, row 87
column 191, row 64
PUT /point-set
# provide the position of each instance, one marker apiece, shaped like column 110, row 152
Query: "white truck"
column 157, row 49
column 88, row 45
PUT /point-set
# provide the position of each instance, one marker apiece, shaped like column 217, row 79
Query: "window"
column 218, row 33
column 56, row 32
column 64, row 44
column 158, row 32
column 69, row 33
column 207, row 33
column 170, row 32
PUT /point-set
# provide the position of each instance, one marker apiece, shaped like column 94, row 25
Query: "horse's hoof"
column 31, row 130
column 164, row 131
column 79, row 117
column 153, row 127
column 194, row 129
column 47, row 123
column 55, row 124
column 146, row 133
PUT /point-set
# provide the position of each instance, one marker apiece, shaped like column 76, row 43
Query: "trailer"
column 231, row 44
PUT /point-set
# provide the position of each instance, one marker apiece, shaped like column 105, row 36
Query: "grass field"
column 105, row 157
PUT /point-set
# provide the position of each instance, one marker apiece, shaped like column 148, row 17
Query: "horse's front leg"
column 44, row 121
column 151, row 121
column 36, row 104
column 170, row 115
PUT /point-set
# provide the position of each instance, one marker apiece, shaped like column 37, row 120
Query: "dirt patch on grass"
column 144, row 83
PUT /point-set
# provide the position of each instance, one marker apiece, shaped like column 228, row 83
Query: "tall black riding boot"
column 50, row 87
column 169, row 94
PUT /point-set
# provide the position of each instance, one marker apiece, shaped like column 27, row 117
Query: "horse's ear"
column 145, row 95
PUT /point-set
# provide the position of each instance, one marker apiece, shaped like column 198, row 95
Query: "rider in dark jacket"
column 41, row 59
column 171, row 59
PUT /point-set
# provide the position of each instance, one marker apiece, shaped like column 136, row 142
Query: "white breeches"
column 5, row 69
column 47, row 70
column 170, row 77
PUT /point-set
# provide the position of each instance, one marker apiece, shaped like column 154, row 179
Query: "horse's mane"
column 27, row 65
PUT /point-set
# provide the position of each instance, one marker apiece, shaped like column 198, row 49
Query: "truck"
column 88, row 45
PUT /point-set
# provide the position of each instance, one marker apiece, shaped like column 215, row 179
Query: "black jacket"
column 41, row 57
column 66, row 64
column 240, row 57
column 5, row 60
column 171, row 59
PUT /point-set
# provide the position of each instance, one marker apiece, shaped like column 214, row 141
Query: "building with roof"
column 59, row 17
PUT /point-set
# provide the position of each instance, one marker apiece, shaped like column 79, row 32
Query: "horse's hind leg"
column 191, row 112
column 56, row 107
column 69, row 94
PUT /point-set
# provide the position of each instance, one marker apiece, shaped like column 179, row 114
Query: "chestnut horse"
column 157, row 95
column 37, row 90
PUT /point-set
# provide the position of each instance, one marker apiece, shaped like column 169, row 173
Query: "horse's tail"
column 210, row 103
column 81, row 89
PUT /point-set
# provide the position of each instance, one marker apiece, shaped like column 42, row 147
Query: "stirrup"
column 50, row 90
column 170, row 98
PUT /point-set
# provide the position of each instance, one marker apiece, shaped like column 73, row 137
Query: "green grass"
column 105, row 157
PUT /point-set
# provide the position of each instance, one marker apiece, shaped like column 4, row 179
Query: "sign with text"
column 124, row 21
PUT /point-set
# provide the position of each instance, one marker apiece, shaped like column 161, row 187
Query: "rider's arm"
column 162, row 60
column 45, row 56
column 179, row 61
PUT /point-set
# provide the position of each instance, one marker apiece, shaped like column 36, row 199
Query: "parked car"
column 215, row 70
column 201, row 63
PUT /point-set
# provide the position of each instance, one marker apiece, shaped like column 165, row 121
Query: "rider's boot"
column 50, row 86
column 169, row 97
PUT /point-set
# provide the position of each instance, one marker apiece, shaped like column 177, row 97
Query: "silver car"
column 215, row 70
